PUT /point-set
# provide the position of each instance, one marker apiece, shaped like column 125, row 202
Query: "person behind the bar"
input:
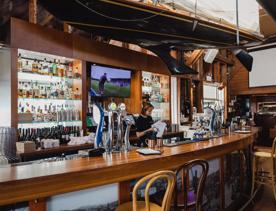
column 102, row 81
column 143, row 124
column 145, row 99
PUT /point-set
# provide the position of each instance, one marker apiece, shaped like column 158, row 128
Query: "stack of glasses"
column 7, row 145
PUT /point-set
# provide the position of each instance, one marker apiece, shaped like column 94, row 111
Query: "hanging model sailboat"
column 156, row 29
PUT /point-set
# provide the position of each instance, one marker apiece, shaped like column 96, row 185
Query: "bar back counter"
column 38, row 182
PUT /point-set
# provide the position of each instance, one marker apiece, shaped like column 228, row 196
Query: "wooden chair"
column 146, row 205
column 185, row 199
column 268, row 153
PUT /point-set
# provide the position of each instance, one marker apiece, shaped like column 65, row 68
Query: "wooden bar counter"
column 39, row 181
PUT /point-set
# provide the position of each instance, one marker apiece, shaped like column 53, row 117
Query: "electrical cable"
column 118, row 19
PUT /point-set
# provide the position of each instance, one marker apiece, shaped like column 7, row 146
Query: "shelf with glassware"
column 157, row 88
column 49, row 90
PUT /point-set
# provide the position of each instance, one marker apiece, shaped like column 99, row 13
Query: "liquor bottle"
column 77, row 94
column 28, row 109
column 61, row 93
column 27, row 67
column 60, row 69
column 77, row 73
column 28, row 90
column 57, row 90
column 70, row 70
column 79, row 132
column 48, row 92
column 42, row 92
column 50, row 69
column 19, row 135
column 20, row 89
column 34, row 66
column 28, row 135
column 36, row 91
column 54, row 67
column 45, row 70
column 20, row 63
column 39, row 67
column 63, row 135
column 67, row 137
column 38, row 138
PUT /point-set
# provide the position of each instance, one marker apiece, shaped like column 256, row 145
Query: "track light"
column 245, row 58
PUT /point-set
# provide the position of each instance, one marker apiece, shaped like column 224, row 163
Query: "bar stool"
column 187, row 199
column 146, row 205
column 268, row 153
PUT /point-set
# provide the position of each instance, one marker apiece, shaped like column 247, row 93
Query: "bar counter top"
column 29, row 182
column 57, row 151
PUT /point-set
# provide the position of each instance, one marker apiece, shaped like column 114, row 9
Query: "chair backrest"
column 169, row 176
column 199, row 186
column 273, row 151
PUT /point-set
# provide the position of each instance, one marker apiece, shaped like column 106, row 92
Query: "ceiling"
column 267, row 24
column 19, row 9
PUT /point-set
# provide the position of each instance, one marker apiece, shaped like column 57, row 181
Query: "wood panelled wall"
column 34, row 37
column 37, row 38
column 239, row 84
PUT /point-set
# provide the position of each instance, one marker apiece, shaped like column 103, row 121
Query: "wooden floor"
column 264, row 200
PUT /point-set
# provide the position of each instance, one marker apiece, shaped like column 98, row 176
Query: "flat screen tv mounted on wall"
column 110, row 81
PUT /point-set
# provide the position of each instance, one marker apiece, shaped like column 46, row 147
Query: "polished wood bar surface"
column 29, row 182
column 64, row 148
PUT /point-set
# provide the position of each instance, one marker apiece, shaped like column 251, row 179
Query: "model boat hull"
column 152, row 28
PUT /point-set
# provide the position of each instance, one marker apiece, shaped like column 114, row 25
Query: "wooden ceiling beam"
column 33, row 11
column 224, row 59
column 47, row 19
column 67, row 28
column 194, row 57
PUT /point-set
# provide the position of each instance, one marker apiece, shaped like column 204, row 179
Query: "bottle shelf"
column 46, row 99
column 52, row 122
column 49, row 124
column 41, row 92
column 43, row 78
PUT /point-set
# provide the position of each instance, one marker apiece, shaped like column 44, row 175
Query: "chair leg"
column 253, row 174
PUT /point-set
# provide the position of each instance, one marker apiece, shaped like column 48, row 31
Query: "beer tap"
column 110, row 139
column 129, row 120
column 121, row 112
column 99, row 117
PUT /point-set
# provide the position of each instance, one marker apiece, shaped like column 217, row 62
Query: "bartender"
column 143, row 124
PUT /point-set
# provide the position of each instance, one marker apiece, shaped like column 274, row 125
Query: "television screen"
column 110, row 81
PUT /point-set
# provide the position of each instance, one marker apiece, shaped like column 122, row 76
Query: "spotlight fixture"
column 245, row 58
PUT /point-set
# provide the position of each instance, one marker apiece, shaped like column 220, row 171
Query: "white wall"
column 5, row 88
column 264, row 68
column 174, row 114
